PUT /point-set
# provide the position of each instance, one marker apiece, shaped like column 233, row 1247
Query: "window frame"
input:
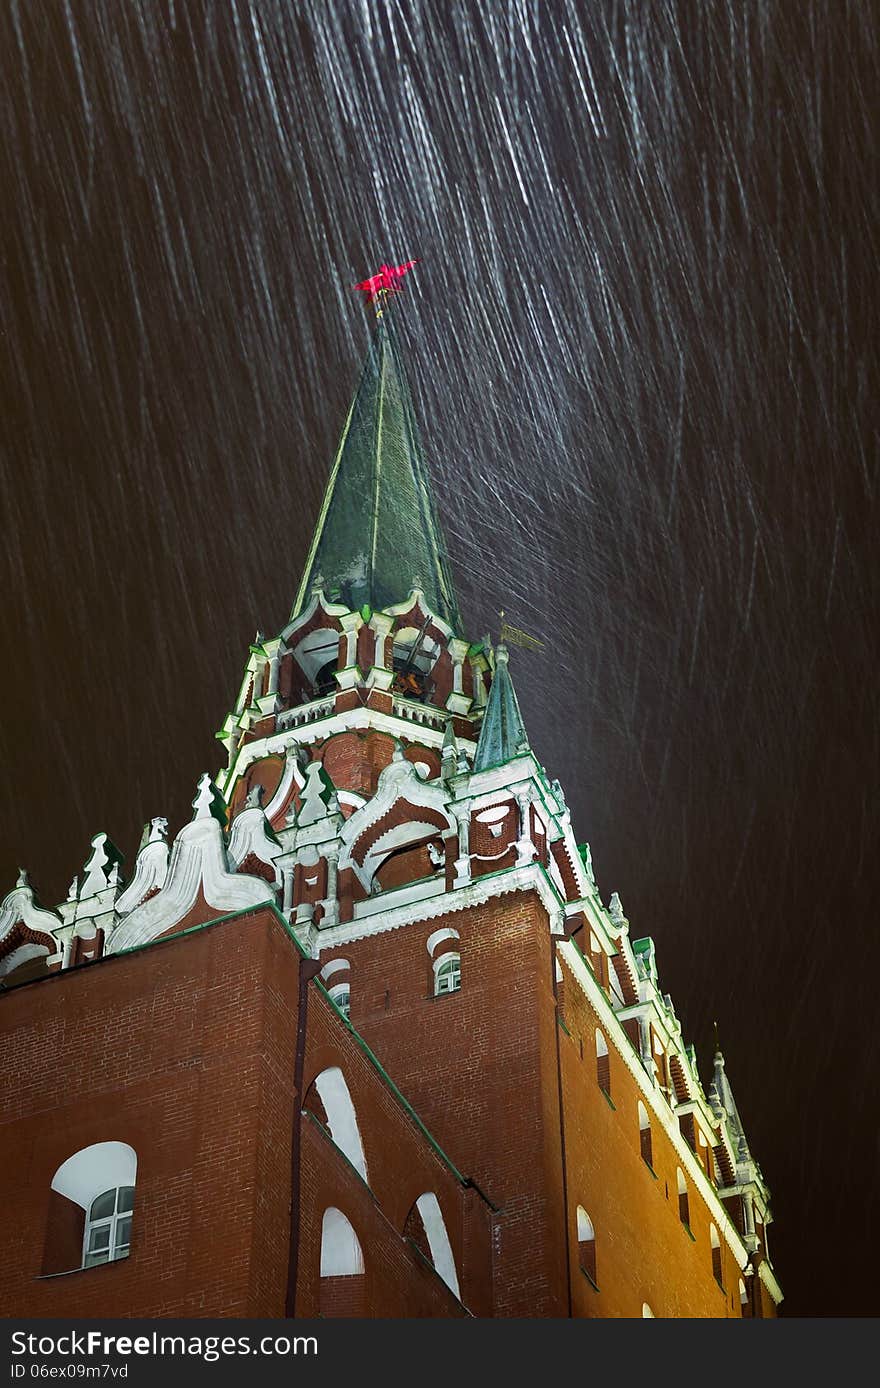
column 115, row 1248
column 586, row 1239
column 603, row 1064
column 448, row 965
column 339, row 991
column 646, row 1145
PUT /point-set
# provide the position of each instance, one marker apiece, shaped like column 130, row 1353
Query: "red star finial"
column 386, row 281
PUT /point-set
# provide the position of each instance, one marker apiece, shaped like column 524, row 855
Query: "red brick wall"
column 479, row 1067
column 353, row 761
column 643, row 1251
column 185, row 1051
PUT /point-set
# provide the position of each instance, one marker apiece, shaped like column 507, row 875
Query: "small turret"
column 503, row 733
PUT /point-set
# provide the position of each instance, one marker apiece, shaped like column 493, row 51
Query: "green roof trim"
column 405, row 1104
column 378, row 535
column 503, row 733
column 289, row 932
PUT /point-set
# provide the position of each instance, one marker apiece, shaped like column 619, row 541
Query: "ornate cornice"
column 476, row 893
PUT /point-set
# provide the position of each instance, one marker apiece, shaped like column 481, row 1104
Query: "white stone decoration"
column 251, row 833
column 434, row 1224
column 317, row 721
column 615, row 912
column 427, row 900
column 317, row 799
column 150, row 869
column 102, row 869
column 439, row 937
column 291, row 777
column 92, row 1170
column 19, row 907
column 198, row 861
column 398, row 781
column 334, row 967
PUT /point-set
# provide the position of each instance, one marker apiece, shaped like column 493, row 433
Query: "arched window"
column 559, row 977
column 586, row 1244
column 341, row 995
column 342, row 1267
column 447, row 974
column 645, row 1135
column 744, row 1307
column 336, row 978
column 341, row 1117
column 426, row 1219
column 716, row 1254
column 108, row 1226
column 443, row 951
column 684, row 1213
column 603, row 1064
column 341, row 1253
column 90, row 1215
column 647, row 1313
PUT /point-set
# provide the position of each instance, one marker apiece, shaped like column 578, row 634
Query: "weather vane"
column 512, row 636
column 386, row 281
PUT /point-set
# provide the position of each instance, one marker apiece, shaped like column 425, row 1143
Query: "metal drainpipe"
column 308, row 969
column 555, row 941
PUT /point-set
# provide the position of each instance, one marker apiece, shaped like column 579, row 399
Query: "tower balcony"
column 303, row 714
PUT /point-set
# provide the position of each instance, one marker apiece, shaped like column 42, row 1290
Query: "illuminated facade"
column 364, row 1039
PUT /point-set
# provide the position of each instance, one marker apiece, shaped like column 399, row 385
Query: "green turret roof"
column 378, row 536
column 503, row 734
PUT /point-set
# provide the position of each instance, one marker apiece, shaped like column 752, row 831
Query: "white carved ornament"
column 198, row 861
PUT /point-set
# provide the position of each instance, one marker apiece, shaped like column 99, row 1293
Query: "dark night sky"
column 642, row 342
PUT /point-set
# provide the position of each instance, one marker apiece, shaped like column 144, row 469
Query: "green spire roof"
column 503, row 734
column 378, row 535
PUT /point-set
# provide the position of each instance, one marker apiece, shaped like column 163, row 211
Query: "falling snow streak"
column 643, row 346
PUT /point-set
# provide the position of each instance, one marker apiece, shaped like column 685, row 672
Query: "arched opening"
column 411, row 682
column 410, row 862
column 744, row 1305
column 339, row 1112
column 426, row 1227
column 108, row 1226
column 615, row 984
column 24, row 964
column 603, row 1065
column 683, row 1205
column 444, row 951
column 413, row 657
column 586, row 1244
column 647, row 1313
column 404, row 853
column 325, row 681
column 340, row 994
column 317, row 656
column 91, row 1206
column 343, row 1283
column 447, row 974
column 716, row 1254
column 336, row 978
column 645, row 1136
column 559, row 984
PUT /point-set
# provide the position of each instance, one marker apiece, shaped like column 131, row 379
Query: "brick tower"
column 370, row 1012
